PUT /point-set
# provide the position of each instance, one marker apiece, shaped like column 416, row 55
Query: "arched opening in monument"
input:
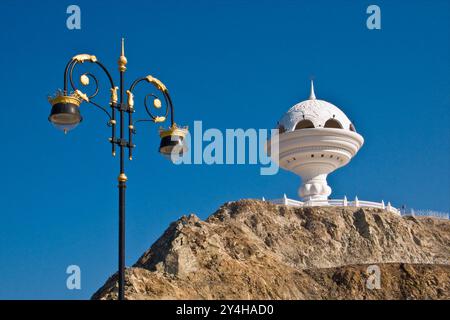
column 304, row 124
column 333, row 123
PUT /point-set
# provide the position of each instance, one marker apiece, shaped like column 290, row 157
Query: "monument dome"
column 314, row 113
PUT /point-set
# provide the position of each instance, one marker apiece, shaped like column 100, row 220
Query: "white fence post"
column 382, row 204
column 389, row 207
column 285, row 200
column 344, row 202
column 356, row 202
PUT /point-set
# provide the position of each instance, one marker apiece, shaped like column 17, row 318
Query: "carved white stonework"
column 313, row 153
column 318, row 111
column 315, row 110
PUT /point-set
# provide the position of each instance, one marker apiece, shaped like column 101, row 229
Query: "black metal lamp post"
column 65, row 115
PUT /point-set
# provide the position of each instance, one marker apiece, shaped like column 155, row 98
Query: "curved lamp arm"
column 68, row 76
column 156, row 101
column 85, row 77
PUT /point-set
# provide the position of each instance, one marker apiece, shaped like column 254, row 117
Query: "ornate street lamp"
column 65, row 115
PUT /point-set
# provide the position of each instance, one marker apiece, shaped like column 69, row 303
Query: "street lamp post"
column 65, row 115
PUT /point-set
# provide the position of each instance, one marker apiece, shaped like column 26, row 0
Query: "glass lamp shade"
column 172, row 143
column 65, row 116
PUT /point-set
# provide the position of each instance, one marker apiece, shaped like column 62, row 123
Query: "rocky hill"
column 257, row 250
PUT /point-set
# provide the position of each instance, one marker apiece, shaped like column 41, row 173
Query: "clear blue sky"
column 231, row 64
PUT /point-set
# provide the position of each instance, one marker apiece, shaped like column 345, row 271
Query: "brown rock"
column 257, row 250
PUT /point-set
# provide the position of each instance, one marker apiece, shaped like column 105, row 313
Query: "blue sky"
column 231, row 64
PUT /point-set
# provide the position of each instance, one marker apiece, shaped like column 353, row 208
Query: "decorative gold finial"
column 84, row 79
column 157, row 103
column 60, row 97
column 130, row 100
column 122, row 60
column 156, row 82
column 173, row 130
column 113, row 99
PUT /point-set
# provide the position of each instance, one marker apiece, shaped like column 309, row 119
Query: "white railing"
column 288, row 202
column 426, row 213
column 336, row 203
column 360, row 203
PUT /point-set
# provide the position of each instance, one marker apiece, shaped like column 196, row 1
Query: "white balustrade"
column 335, row 203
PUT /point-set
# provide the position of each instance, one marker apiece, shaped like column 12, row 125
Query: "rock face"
column 257, row 250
